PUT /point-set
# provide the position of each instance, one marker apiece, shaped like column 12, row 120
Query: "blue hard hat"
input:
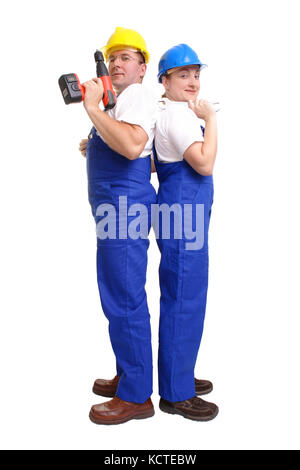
column 177, row 56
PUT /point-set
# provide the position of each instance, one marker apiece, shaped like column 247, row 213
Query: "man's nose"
column 113, row 66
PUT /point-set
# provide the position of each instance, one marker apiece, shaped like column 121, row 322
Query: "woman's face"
column 183, row 84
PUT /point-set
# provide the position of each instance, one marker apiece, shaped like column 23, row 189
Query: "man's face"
column 183, row 84
column 125, row 68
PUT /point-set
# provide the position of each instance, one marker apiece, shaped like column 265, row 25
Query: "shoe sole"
column 205, row 392
column 145, row 415
column 172, row 411
column 103, row 394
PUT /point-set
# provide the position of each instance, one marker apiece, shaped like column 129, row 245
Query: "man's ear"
column 143, row 70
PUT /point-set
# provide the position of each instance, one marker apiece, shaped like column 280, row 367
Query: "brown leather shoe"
column 117, row 411
column 203, row 387
column 194, row 408
column 108, row 388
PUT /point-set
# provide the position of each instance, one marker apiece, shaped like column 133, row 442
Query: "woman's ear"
column 164, row 81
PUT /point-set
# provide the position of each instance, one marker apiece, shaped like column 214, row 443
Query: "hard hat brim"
column 170, row 71
column 123, row 47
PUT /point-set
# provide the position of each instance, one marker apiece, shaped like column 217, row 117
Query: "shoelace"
column 190, row 401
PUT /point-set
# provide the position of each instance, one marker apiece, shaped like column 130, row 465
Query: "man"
column 119, row 165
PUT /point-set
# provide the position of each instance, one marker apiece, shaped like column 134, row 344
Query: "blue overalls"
column 122, row 264
column 183, row 278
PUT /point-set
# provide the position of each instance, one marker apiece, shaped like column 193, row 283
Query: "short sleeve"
column 184, row 128
column 138, row 107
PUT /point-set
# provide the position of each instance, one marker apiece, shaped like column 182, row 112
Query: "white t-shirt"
column 137, row 105
column 177, row 127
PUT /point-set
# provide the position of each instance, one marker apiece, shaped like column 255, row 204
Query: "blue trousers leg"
column 183, row 282
column 121, row 273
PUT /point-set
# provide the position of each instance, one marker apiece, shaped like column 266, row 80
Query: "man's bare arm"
column 127, row 139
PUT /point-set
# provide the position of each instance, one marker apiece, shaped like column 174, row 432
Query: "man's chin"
column 119, row 84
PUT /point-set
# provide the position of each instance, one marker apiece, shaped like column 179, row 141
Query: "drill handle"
column 109, row 97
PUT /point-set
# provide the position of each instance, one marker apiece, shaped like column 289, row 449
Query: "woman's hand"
column 153, row 168
column 82, row 147
column 202, row 109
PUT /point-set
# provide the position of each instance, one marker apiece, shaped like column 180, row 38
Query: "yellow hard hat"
column 124, row 38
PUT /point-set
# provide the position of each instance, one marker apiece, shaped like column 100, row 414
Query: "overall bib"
column 183, row 278
column 122, row 264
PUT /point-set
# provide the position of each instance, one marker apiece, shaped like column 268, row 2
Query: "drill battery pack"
column 71, row 89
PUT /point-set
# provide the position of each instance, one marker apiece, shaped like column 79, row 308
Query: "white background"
column 54, row 339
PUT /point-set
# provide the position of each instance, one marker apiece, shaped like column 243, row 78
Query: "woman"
column 184, row 161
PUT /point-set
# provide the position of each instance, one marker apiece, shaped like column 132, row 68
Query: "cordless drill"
column 73, row 91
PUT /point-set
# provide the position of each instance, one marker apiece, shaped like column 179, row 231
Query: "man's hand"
column 93, row 93
column 202, row 109
column 82, row 147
